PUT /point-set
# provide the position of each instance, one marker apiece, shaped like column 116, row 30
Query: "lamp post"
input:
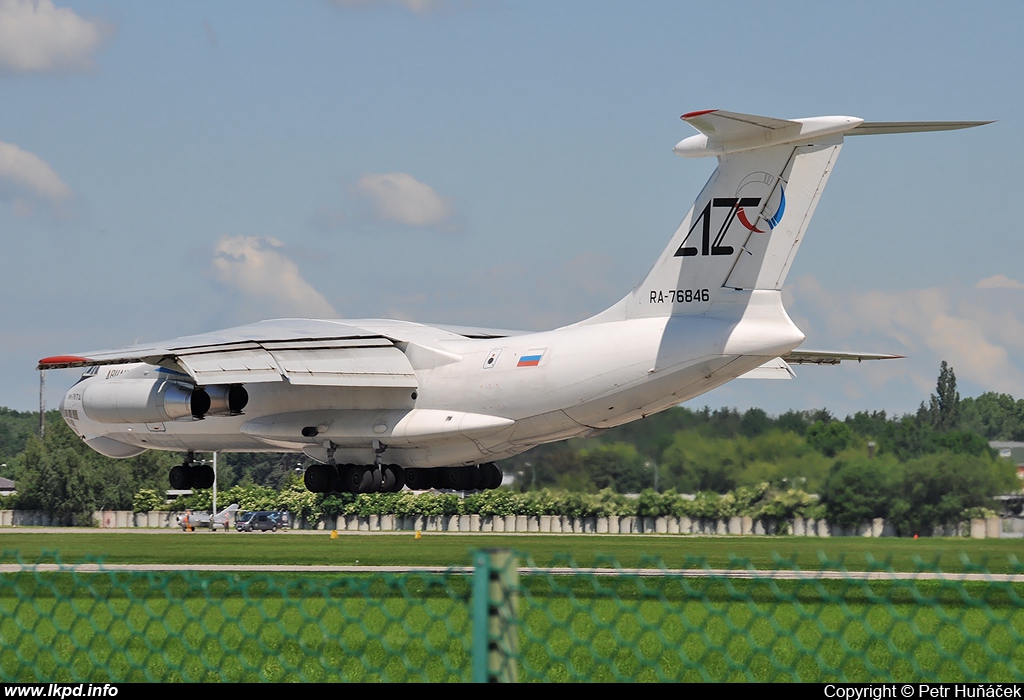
column 647, row 465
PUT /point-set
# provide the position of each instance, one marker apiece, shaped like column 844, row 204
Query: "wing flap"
column 232, row 367
column 363, row 366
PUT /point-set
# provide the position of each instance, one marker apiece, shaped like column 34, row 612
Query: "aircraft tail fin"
column 743, row 231
column 230, row 509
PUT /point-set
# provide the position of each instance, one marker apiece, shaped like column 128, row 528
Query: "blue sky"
column 174, row 168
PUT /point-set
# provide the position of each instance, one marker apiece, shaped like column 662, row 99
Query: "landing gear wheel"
column 353, row 476
column 476, row 477
column 419, row 479
column 180, row 478
column 456, row 478
column 490, row 476
column 375, row 480
column 393, row 478
column 202, row 476
column 318, row 478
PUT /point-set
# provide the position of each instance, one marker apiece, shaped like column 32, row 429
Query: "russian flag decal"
column 530, row 359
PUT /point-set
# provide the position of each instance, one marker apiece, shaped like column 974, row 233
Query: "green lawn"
column 368, row 627
column 365, row 627
column 951, row 555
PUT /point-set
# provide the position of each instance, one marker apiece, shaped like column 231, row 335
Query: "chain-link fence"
column 504, row 620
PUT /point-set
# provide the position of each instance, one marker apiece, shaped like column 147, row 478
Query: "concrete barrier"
column 980, row 528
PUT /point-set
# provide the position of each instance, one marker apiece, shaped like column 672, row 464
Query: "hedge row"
column 761, row 502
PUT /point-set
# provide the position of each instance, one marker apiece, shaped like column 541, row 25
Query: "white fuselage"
column 475, row 399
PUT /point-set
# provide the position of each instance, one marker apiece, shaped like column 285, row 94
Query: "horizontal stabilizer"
column 779, row 368
column 829, row 357
column 733, row 126
column 722, row 132
column 872, row 128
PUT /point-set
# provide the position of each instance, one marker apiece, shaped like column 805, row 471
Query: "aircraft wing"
column 779, row 368
column 300, row 351
column 365, row 352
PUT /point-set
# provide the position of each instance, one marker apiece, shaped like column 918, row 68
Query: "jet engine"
column 133, row 400
column 226, row 399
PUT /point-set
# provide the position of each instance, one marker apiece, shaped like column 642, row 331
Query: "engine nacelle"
column 226, row 399
column 142, row 401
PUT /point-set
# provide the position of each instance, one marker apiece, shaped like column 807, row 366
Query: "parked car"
column 262, row 520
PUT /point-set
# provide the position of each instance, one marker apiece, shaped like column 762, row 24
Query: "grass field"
column 948, row 555
column 363, row 627
column 254, row 627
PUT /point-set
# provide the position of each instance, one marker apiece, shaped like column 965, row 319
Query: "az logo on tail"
column 735, row 209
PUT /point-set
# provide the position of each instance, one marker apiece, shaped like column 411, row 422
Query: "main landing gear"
column 390, row 478
column 191, row 474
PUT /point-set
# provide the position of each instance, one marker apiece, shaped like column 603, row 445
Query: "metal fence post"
column 495, row 609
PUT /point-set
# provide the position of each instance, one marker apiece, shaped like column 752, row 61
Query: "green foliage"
column 993, row 416
column 301, row 503
column 937, row 489
column 496, row 502
column 337, row 504
column 250, row 497
column 16, row 427
column 694, row 462
column 830, row 438
column 65, row 486
column 964, row 442
column 147, row 500
column 706, row 505
column 944, row 404
column 859, row 489
column 368, row 504
column 62, row 472
column 618, row 466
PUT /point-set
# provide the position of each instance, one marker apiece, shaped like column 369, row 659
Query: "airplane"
column 379, row 404
column 190, row 521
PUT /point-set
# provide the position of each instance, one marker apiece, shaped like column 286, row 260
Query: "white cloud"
column 401, row 198
column 978, row 335
column 266, row 278
column 999, row 282
column 35, row 36
column 26, row 176
column 418, row 6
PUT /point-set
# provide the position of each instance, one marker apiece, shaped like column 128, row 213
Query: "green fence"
column 504, row 620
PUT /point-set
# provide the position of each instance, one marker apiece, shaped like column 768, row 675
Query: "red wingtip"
column 63, row 361
column 691, row 115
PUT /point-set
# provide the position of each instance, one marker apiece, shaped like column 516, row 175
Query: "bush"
column 937, row 489
column 859, row 490
column 147, row 500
